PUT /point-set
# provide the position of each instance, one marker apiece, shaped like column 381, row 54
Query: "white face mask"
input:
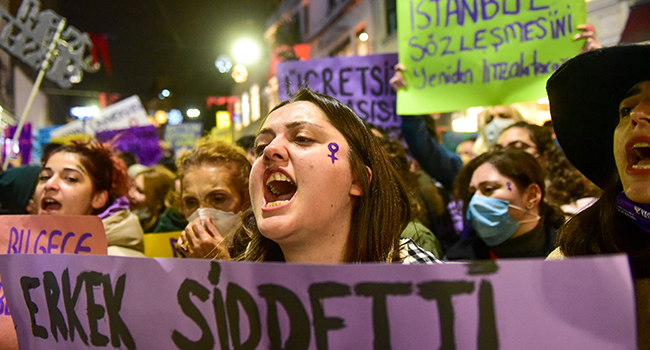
column 226, row 222
column 493, row 130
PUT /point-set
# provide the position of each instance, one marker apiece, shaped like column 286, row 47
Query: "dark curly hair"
column 517, row 165
column 106, row 170
column 564, row 183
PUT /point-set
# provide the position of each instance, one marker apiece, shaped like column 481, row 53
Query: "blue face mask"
column 489, row 217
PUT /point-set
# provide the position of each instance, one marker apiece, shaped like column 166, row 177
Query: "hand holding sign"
column 589, row 33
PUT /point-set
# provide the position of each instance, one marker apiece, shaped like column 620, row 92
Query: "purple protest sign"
column 140, row 140
column 581, row 303
column 183, row 135
column 44, row 234
column 361, row 82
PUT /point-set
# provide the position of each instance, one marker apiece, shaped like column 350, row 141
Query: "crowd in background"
column 211, row 180
column 319, row 185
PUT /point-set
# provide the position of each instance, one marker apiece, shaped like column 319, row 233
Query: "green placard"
column 464, row 53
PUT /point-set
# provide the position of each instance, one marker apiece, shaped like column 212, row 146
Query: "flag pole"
column 37, row 85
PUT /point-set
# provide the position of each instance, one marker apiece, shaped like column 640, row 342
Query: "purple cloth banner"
column 140, row 140
column 361, row 82
column 81, row 302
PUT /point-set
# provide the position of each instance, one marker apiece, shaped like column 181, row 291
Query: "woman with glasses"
column 565, row 185
column 503, row 193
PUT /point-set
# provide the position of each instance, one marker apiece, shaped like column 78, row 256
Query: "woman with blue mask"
column 504, row 195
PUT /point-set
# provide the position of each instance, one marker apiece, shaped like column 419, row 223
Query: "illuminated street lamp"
column 363, row 36
column 246, row 51
column 193, row 113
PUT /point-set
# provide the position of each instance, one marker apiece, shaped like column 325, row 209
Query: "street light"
column 193, row 113
column 246, row 51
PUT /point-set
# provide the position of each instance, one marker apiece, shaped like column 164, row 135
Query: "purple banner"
column 140, row 140
column 81, row 302
column 183, row 135
column 361, row 82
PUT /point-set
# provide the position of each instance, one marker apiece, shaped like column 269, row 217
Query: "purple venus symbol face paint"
column 333, row 147
column 509, row 186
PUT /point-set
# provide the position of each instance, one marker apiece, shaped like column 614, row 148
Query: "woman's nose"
column 51, row 183
column 275, row 151
column 641, row 114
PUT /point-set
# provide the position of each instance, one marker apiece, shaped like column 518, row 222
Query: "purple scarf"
column 638, row 213
column 118, row 204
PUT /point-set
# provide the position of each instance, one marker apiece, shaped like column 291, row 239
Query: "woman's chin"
column 638, row 194
column 273, row 228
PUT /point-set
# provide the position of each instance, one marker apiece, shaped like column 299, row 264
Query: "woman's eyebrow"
column 296, row 124
column 76, row 169
column 493, row 183
column 291, row 125
column 632, row 92
column 81, row 169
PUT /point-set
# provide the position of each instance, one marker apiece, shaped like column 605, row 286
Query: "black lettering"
column 190, row 310
column 27, row 283
column 362, row 112
column 375, row 73
column 70, row 304
column 52, row 292
column 363, row 78
column 287, row 86
column 386, row 82
column 327, row 79
column 322, row 324
column 379, row 293
column 383, row 106
column 344, row 79
column 309, row 72
column 488, row 339
column 441, row 292
column 95, row 311
column 299, row 330
column 218, row 305
column 236, row 296
column 113, row 301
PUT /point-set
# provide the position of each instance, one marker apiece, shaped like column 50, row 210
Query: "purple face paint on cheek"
column 333, row 147
column 509, row 186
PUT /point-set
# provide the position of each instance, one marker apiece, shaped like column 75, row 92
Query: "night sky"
column 155, row 44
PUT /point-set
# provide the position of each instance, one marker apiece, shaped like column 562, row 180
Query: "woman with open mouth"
column 600, row 105
column 323, row 190
column 89, row 179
